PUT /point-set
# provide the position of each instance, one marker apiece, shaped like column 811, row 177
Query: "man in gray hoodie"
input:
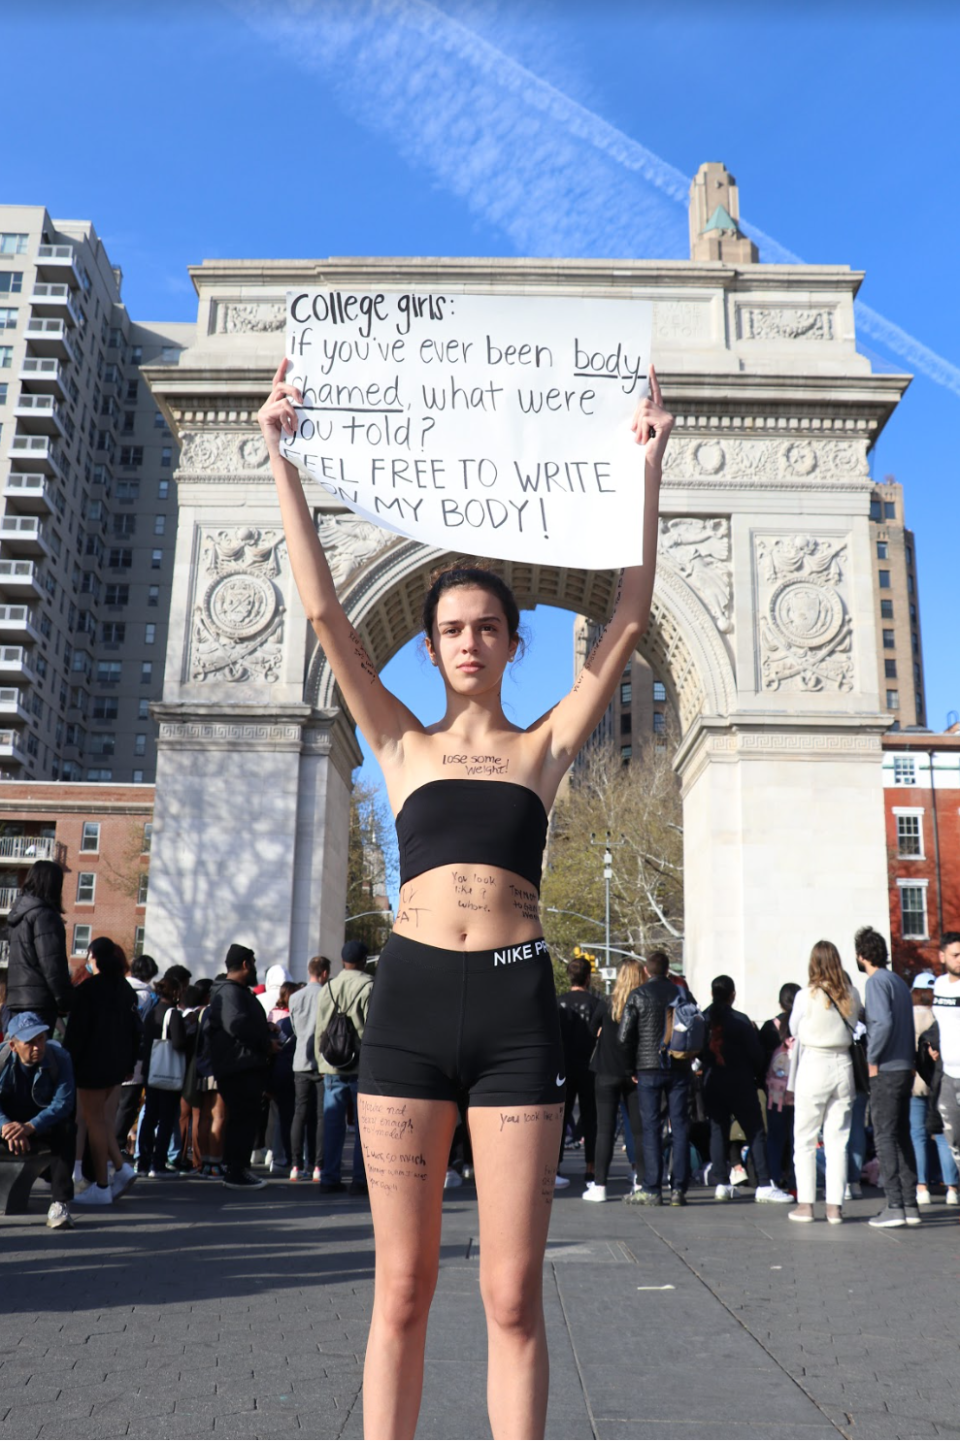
column 306, row 1134
column 891, row 1056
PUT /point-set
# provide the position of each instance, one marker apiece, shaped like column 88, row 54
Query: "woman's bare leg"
column 405, row 1149
column 218, row 1117
column 515, row 1152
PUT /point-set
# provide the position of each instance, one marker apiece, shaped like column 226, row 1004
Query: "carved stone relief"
column 752, row 462
column 236, row 318
column 700, row 549
column 348, row 543
column 788, row 323
column 202, row 451
column 805, row 630
column 238, row 622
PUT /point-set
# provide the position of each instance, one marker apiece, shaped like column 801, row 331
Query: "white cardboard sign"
column 490, row 425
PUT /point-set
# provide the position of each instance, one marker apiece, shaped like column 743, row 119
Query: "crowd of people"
column 131, row 1073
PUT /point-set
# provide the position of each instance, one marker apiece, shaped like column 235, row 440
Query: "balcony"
column 11, row 751
column 8, row 894
column 46, row 376
column 39, row 413
column 24, row 850
column 24, row 535
column 19, row 621
column 11, row 708
column 20, row 578
column 28, row 493
column 58, row 262
column 38, row 450
column 15, row 662
column 50, row 338
column 54, row 299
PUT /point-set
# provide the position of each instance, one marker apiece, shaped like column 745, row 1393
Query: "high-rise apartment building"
column 87, row 509
column 640, row 712
column 898, row 607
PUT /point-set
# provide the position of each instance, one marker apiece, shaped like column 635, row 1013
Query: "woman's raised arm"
column 381, row 717
column 574, row 718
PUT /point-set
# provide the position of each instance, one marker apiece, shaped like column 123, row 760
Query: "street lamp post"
column 607, row 876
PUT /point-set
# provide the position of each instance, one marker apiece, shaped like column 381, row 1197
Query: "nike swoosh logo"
column 561, row 1080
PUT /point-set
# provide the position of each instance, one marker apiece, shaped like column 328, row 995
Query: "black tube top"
column 490, row 823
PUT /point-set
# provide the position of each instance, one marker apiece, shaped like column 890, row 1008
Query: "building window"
column 158, row 421
column 138, row 778
column 166, row 455
column 8, row 317
column 103, row 745
column 138, row 938
column 100, row 773
column 120, row 559
column 136, row 355
column 910, row 587
column 146, row 672
column 116, row 595
column 156, row 559
column 659, row 690
column 143, row 709
column 889, row 510
column 11, row 282
column 6, row 357
column 124, row 525
column 163, row 490
column 909, row 836
column 889, row 642
column 626, row 752
column 113, row 632
column 916, row 675
column 159, row 524
column 626, row 692
column 147, row 838
column 659, row 722
column 625, row 724
column 128, row 489
column 909, row 554
column 108, row 672
column 890, row 669
column 913, row 612
column 153, row 595
column 12, row 243
column 133, row 387
column 90, row 837
column 149, row 633
column 904, row 770
column 104, row 707
column 131, row 455
column 893, row 700
column 140, row 745
column 82, row 936
column 913, row 911
column 884, row 579
column 886, row 609
column 86, row 887
column 142, row 888
column 881, row 550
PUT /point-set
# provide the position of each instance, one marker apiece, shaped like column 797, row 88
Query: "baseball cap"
column 25, row 1026
column 923, row 982
column 354, row 953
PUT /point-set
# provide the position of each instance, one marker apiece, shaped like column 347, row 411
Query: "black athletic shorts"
column 476, row 1027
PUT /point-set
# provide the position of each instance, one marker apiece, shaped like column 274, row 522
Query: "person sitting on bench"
column 37, row 1107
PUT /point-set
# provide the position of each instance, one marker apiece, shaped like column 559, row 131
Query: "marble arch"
column 764, row 620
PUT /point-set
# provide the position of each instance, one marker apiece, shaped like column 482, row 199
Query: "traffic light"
column 581, row 954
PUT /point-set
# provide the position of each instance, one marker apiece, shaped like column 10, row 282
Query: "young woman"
column 464, row 1003
column 161, row 1107
column 612, row 1066
column 822, row 1079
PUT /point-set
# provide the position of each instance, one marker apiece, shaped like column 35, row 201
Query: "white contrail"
column 551, row 174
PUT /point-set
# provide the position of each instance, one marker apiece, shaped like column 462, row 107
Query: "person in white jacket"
column 823, row 1018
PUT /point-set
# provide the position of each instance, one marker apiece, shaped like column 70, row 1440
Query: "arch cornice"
column 682, row 642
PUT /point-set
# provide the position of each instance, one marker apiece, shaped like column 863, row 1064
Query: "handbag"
column 167, row 1065
column 858, row 1056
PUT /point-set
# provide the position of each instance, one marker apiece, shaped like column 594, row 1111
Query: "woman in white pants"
column 822, row 1079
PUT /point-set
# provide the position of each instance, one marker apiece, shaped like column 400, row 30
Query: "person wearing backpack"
column 342, row 1008
column 660, row 1075
column 732, row 1061
column 777, row 1043
column 241, row 1046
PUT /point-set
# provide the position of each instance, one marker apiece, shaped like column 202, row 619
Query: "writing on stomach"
column 468, row 906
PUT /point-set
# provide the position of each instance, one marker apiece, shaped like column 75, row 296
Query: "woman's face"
column 471, row 642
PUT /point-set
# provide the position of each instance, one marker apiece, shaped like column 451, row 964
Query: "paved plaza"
column 195, row 1311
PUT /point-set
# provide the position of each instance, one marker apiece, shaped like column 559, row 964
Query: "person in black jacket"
column 642, row 1031
column 241, row 1047
column 581, row 1012
column 103, row 1038
column 161, row 1108
column 38, row 979
column 733, row 1061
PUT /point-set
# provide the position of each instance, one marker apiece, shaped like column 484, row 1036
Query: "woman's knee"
column 403, row 1297
column 513, row 1300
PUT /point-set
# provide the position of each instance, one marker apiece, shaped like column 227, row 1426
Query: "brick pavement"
column 194, row 1311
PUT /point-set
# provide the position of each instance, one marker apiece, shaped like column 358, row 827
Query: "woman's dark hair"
column 788, row 994
column 462, row 576
column 203, row 987
column 171, row 986
column 44, row 880
column 193, row 996
column 144, row 968
column 109, row 958
column 722, row 990
column 288, row 989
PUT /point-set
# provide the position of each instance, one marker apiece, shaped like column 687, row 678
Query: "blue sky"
column 504, row 127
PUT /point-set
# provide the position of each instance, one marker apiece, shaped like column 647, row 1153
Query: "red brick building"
column 100, row 834
column 921, row 778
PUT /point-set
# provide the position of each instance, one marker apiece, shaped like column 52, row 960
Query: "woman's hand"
column 276, row 417
column 651, row 422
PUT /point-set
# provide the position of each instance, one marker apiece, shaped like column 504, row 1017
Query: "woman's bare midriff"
column 468, row 907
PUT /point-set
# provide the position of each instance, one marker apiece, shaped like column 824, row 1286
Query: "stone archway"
column 763, row 625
